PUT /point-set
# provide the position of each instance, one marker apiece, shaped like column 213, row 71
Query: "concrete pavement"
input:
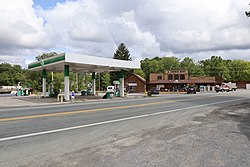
column 181, row 130
column 9, row 101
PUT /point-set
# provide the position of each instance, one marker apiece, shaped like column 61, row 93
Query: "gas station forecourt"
column 69, row 62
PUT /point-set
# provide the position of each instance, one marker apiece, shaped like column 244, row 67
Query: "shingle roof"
column 138, row 76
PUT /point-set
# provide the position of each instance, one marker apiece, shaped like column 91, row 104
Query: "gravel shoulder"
column 208, row 137
column 220, row 138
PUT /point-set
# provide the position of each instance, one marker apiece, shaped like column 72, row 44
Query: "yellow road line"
column 93, row 110
column 81, row 111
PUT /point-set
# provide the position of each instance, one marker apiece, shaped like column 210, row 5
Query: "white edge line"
column 111, row 121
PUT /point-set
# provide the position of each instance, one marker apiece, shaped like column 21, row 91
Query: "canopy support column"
column 66, row 82
column 121, row 78
column 44, row 75
column 93, row 83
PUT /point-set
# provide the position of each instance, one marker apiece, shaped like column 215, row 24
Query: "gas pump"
column 117, row 86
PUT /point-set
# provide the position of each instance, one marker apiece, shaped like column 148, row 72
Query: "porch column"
column 44, row 75
column 121, row 76
column 93, row 83
column 66, row 82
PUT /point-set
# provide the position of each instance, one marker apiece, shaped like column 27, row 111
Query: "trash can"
column 107, row 96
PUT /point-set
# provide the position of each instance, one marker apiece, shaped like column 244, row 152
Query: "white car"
column 111, row 89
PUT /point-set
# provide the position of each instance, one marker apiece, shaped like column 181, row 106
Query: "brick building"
column 176, row 80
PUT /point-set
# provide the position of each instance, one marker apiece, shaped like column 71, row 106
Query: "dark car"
column 155, row 91
column 219, row 89
column 191, row 89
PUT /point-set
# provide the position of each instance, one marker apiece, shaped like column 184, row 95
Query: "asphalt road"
column 132, row 132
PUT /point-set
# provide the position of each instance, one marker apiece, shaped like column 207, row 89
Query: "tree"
column 122, row 53
column 45, row 55
column 140, row 72
column 157, row 65
column 215, row 67
column 239, row 70
column 105, row 80
column 169, row 63
column 11, row 74
column 194, row 69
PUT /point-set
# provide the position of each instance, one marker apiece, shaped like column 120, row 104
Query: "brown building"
column 176, row 80
column 243, row 84
column 135, row 83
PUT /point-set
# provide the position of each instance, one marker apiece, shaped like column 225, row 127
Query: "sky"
column 181, row 28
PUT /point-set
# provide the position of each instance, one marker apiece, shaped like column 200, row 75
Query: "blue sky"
column 46, row 4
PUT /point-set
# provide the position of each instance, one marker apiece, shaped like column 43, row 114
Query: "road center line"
column 80, row 111
column 112, row 121
column 92, row 110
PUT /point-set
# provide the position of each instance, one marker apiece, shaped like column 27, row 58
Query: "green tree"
column 169, row 63
column 45, row 55
column 121, row 53
column 156, row 65
column 58, row 81
column 105, row 80
column 11, row 74
column 215, row 67
column 34, row 80
column 140, row 72
column 239, row 70
column 194, row 69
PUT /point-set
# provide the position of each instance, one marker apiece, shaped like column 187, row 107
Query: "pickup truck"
column 224, row 88
column 231, row 85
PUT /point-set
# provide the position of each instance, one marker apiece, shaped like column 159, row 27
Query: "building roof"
column 137, row 76
column 85, row 63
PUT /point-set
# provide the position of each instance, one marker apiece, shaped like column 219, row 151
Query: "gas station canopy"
column 67, row 62
column 83, row 63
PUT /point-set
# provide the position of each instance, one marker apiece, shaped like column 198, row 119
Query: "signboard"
column 160, row 86
column 132, row 84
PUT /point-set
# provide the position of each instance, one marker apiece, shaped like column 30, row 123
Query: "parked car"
column 155, row 91
column 191, row 89
column 219, row 89
column 224, row 88
column 111, row 89
column 231, row 85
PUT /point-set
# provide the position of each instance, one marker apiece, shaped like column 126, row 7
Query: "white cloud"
column 149, row 28
column 20, row 27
